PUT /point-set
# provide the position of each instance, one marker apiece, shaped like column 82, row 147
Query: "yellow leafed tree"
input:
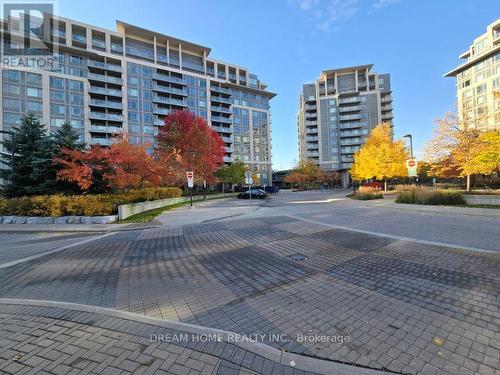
column 380, row 157
column 486, row 160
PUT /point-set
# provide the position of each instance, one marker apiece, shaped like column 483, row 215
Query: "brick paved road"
column 407, row 307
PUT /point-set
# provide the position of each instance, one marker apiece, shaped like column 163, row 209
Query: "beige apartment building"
column 106, row 82
column 478, row 79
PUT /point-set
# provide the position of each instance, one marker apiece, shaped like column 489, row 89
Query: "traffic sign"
column 248, row 180
column 190, row 178
column 411, row 165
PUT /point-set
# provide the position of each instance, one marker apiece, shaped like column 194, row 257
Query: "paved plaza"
column 341, row 296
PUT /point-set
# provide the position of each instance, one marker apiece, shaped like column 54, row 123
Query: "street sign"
column 190, row 178
column 411, row 165
column 248, row 180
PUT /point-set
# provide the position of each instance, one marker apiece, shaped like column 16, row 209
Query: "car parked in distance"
column 256, row 194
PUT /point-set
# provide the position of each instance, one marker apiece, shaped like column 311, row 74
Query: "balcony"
column 98, row 44
column 349, row 142
column 221, row 90
column 350, row 117
column 312, row 139
column 78, row 38
column 223, row 119
column 227, row 159
column 229, row 150
column 386, row 98
column 169, row 101
column 105, row 116
column 311, row 115
column 221, row 99
column 312, row 131
column 352, row 108
column 352, row 125
column 158, row 122
column 311, row 123
column 312, row 154
column 352, row 99
column 105, row 103
column 310, row 107
column 387, row 116
column 228, row 139
column 104, row 91
column 101, row 141
column 105, row 129
column 161, row 110
column 221, row 109
column 222, row 129
column 387, row 107
column 102, row 65
column 170, row 79
column 170, row 90
column 103, row 78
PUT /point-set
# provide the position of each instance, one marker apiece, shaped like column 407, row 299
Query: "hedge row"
column 431, row 197
column 81, row 205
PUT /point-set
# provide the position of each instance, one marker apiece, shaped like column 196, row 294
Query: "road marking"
column 409, row 239
column 35, row 256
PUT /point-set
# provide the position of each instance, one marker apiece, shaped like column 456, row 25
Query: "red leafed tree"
column 200, row 148
column 121, row 166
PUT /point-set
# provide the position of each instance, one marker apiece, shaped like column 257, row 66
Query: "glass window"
column 57, row 83
column 76, row 85
column 34, row 92
column 11, row 90
column 57, row 109
column 12, row 104
column 11, row 75
column 58, row 96
column 133, row 92
column 33, row 106
column 33, row 78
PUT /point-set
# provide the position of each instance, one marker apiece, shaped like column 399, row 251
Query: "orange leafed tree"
column 120, row 166
column 199, row 147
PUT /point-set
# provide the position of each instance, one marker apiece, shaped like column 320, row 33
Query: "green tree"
column 33, row 153
column 233, row 173
column 66, row 137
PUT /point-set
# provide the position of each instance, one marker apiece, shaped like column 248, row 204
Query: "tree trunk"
column 385, row 185
column 468, row 182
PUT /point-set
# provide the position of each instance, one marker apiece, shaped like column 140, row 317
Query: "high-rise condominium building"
column 337, row 112
column 107, row 82
column 478, row 78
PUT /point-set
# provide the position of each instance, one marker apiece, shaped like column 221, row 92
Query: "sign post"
column 249, row 182
column 411, row 165
column 190, row 180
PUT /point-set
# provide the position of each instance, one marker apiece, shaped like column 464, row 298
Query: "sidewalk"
column 60, row 338
column 461, row 211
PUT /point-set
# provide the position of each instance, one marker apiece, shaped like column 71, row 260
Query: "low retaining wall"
column 127, row 210
column 58, row 220
column 482, row 199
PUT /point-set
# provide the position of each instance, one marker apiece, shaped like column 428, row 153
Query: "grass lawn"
column 151, row 214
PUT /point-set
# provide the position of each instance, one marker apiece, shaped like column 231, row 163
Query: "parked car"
column 256, row 194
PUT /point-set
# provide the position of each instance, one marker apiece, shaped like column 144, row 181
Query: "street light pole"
column 411, row 143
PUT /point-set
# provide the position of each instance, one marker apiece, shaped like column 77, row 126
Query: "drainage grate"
column 298, row 257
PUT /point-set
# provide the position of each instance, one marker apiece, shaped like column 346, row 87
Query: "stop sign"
column 189, row 175
column 412, row 163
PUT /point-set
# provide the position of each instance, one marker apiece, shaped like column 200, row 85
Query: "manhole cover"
column 298, row 257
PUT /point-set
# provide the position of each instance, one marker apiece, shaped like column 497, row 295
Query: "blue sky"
column 288, row 42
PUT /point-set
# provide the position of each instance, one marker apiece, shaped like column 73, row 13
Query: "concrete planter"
column 58, row 220
column 482, row 199
column 127, row 210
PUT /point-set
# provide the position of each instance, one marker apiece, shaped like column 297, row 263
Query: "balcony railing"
column 221, row 99
column 170, row 101
column 105, row 116
column 220, row 109
column 161, row 110
column 219, row 89
column 170, row 90
column 101, row 141
column 227, row 159
column 222, row 129
column 226, row 120
column 105, row 103
column 167, row 78
column 354, row 99
column 351, row 108
column 103, row 78
column 102, row 65
column 105, row 91
column 350, row 117
column 312, row 139
column 105, row 129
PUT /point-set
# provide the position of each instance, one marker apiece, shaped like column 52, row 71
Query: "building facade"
column 337, row 112
column 108, row 82
column 477, row 80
